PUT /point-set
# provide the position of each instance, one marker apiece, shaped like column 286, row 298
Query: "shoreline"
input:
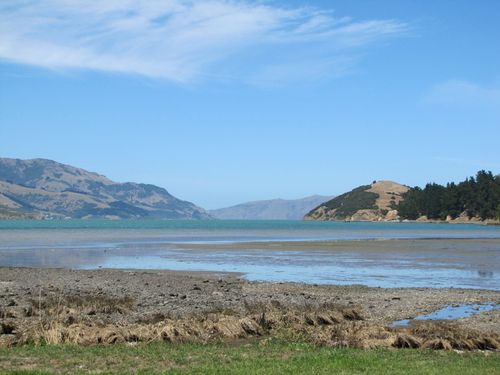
column 402, row 221
column 118, row 300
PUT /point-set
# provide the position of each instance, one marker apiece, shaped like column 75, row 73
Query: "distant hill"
column 274, row 209
column 40, row 188
column 375, row 202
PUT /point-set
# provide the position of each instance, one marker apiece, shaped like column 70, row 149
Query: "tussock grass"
column 78, row 320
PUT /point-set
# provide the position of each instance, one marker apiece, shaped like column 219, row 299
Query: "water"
column 265, row 229
column 373, row 254
column 451, row 313
column 57, row 233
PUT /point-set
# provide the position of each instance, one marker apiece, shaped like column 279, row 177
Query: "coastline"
column 418, row 221
column 112, row 300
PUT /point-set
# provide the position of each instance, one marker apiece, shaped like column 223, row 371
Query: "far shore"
column 476, row 222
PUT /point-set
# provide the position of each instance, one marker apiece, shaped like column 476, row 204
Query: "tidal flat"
column 468, row 263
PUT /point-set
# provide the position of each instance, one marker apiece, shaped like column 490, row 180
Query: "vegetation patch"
column 477, row 197
column 348, row 204
column 79, row 321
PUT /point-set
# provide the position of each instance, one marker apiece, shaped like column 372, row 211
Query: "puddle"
column 450, row 313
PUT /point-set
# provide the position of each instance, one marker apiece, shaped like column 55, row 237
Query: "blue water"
column 201, row 231
column 451, row 313
column 331, row 230
column 458, row 255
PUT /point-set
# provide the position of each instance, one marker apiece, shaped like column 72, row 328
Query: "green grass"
column 254, row 358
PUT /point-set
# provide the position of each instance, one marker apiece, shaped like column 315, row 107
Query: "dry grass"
column 451, row 335
column 59, row 304
column 77, row 320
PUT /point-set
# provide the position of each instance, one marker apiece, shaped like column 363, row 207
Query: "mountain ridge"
column 46, row 188
column 270, row 209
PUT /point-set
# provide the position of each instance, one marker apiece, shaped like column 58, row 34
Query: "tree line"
column 477, row 197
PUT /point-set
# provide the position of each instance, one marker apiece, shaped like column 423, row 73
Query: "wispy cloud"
column 180, row 40
column 465, row 94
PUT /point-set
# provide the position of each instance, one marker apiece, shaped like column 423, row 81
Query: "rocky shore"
column 108, row 306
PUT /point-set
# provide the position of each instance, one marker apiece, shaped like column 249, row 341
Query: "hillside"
column 274, row 209
column 375, row 202
column 41, row 188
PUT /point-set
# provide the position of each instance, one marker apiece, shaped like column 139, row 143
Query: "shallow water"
column 462, row 256
column 451, row 313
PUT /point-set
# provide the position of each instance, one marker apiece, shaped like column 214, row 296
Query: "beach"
column 34, row 300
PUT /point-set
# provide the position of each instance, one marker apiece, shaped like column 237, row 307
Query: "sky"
column 223, row 102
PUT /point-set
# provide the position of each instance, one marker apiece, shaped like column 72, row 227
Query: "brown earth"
column 389, row 194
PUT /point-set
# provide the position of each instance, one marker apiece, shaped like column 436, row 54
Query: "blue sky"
column 222, row 102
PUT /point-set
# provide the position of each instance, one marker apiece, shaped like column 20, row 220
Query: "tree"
column 477, row 197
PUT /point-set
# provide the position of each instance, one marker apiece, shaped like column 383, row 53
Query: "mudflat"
column 51, row 304
column 405, row 263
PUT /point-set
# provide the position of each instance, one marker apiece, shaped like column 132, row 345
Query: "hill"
column 274, row 209
column 39, row 188
column 375, row 202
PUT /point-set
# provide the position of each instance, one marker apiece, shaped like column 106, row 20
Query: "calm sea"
column 445, row 261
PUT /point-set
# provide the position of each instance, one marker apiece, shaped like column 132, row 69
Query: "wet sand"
column 439, row 263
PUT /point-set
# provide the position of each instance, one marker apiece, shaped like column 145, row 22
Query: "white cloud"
column 173, row 39
column 312, row 70
column 465, row 94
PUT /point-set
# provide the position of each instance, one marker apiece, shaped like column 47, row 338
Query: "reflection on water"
column 391, row 264
column 443, row 261
column 485, row 274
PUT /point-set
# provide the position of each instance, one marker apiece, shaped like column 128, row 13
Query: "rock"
column 7, row 328
column 392, row 215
